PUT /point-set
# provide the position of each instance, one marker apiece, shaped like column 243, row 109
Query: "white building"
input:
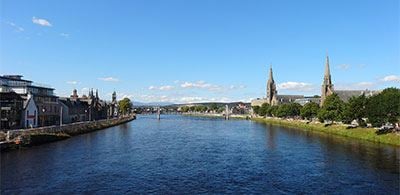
column 30, row 113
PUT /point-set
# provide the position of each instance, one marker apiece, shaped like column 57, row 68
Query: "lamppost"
column 43, row 111
column 61, row 116
column 86, row 115
column 90, row 113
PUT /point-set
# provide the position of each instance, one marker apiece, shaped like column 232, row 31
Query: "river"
column 187, row 155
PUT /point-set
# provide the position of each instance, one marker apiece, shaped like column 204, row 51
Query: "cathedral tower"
column 327, row 86
column 271, row 89
column 114, row 97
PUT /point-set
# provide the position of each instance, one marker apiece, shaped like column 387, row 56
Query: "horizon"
column 192, row 52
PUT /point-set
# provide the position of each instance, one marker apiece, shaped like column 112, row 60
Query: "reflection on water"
column 202, row 155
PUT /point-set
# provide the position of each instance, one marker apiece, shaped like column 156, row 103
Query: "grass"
column 367, row 134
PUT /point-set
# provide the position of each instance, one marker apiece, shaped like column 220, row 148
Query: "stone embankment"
column 34, row 136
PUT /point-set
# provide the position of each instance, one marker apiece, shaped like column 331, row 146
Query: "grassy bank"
column 367, row 134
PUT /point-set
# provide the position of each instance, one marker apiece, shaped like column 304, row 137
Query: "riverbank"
column 35, row 136
column 233, row 116
column 367, row 134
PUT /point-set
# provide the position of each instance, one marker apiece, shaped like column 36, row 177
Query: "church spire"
column 270, row 73
column 327, row 86
column 327, row 69
column 271, row 88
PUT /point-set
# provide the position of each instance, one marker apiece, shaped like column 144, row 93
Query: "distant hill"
column 219, row 104
column 147, row 104
column 170, row 104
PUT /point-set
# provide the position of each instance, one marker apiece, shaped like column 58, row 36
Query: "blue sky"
column 200, row 50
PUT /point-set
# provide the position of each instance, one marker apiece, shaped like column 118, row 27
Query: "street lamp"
column 86, row 115
column 43, row 111
column 90, row 113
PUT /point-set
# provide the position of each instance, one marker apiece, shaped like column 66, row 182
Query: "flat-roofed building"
column 11, row 107
column 46, row 101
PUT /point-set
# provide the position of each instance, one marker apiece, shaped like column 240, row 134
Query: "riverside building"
column 48, row 109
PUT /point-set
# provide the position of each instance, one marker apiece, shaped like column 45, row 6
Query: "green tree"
column 200, row 108
column 288, row 110
column 309, row 110
column 272, row 110
column 332, row 109
column 221, row 109
column 125, row 105
column 355, row 109
column 264, row 109
column 185, row 109
column 213, row 107
column 384, row 107
column 256, row 109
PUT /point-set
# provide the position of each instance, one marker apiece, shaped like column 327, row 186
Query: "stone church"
column 327, row 88
column 272, row 97
column 272, row 94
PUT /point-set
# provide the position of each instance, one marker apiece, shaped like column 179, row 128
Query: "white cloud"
column 166, row 88
column 343, row 66
column 162, row 88
column 362, row 65
column 355, row 86
column 41, row 22
column 72, row 82
column 109, row 79
column 64, row 35
column 16, row 27
column 200, row 85
column 391, row 78
column 84, row 91
column 123, row 95
column 237, row 87
column 297, row 86
column 363, row 85
column 191, row 99
column 152, row 88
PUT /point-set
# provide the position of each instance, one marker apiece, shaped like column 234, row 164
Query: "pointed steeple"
column 327, row 86
column 271, row 88
column 270, row 73
column 327, row 69
column 327, row 75
column 97, row 93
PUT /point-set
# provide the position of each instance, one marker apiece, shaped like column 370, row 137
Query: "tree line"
column 202, row 108
column 377, row 109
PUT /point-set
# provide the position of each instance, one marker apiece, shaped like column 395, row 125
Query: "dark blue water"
column 188, row 155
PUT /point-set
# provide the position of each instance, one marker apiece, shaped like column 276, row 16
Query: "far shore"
column 232, row 116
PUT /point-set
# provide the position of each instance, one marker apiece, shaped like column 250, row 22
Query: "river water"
column 188, row 155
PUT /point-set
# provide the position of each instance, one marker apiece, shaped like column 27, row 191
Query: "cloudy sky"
column 195, row 51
